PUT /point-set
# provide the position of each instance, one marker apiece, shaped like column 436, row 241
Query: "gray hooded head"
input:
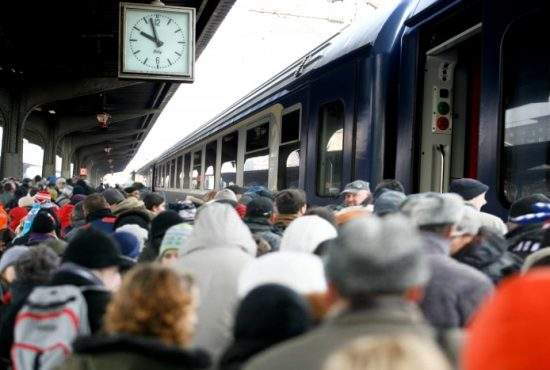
column 427, row 209
column 375, row 255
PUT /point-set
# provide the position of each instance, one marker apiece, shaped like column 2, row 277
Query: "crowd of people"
column 245, row 278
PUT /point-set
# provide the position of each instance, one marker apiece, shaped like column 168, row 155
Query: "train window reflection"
column 196, row 173
column 526, row 109
column 230, row 144
column 329, row 149
column 210, row 162
column 179, row 177
column 186, row 170
column 256, row 169
column 257, row 137
column 173, row 174
column 166, row 174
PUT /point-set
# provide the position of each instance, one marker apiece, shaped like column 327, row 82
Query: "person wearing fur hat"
column 173, row 241
column 7, row 268
column 376, row 273
column 455, row 290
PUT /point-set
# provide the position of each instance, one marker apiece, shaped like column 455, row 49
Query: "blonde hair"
column 402, row 352
column 153, row 301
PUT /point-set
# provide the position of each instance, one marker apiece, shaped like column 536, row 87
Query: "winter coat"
column 455, row 290
column 130, row 352
column 217, row 251
column 37, row 238
column 390, row 315
column 264, row 229
column 20, row 291
column 16, row 215
column 96, row 299
column 488, row 254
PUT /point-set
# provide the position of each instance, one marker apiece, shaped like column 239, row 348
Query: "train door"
column 330, row 134
column 449, row 117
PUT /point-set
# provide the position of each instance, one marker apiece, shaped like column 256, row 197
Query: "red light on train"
column 442, row 123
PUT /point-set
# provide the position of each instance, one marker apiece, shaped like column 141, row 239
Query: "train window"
column 329, row 149
column 187, row 170
column 257, row 137
column 230, row 144
column 179, row 176
column 290, row 127
column 256, row 159
column 196, row 173
column 289, row 156
column 210, row 163
column 173, row 174
column 526, row 93
column 256, row 168
column 167, row 175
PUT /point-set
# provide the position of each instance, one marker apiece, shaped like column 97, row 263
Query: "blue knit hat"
column 128, row 244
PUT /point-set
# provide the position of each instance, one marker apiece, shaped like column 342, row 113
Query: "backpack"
column 47, row 325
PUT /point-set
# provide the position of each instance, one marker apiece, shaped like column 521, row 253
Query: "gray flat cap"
column 426, row 209
column 356, row 186
column 376, row 255
column 388, row 202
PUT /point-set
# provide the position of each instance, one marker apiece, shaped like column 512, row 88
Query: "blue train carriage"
column 425, row 91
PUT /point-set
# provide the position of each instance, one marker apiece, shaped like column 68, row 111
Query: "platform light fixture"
column 108, row 149
column 103, row 119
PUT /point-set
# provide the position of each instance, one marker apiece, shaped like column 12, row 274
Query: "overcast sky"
column 257, row 39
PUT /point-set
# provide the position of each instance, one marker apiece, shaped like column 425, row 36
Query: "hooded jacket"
column 219, row 248
column 128, row 204
column 127, row 352
column 305, row 233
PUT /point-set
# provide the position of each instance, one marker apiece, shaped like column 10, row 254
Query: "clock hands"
column 157, row 41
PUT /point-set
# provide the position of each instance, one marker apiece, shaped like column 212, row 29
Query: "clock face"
column 157, row 42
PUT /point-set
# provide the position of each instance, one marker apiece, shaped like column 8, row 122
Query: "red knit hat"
column 511, row 331
column 42, row 197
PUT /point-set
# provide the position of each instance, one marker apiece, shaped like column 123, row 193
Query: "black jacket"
column 488, row 253
column 96, row 299
column 126, row 352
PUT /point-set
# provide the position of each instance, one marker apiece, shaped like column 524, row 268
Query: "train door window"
column 449, row 132
column 210, row 163
column 173, row 174
column 196, row 173
column 162, row 170
column 330, row 149
column 179, row 174
column 187, row 170
column 230, row 144
column 256, row 159
column 526, row 104
column 289, row 151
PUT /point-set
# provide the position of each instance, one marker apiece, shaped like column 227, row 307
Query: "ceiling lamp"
column 110, row 160
column 108, row 149
column 103, row 119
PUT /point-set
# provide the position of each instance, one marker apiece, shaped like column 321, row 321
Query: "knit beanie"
column 526, row 205
column 43, row 223
column 468, row 188
column 175, row 238
column 94, row 249
column 128, row 244
column 113, row 196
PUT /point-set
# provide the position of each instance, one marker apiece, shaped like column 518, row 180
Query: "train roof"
column 358, row 35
